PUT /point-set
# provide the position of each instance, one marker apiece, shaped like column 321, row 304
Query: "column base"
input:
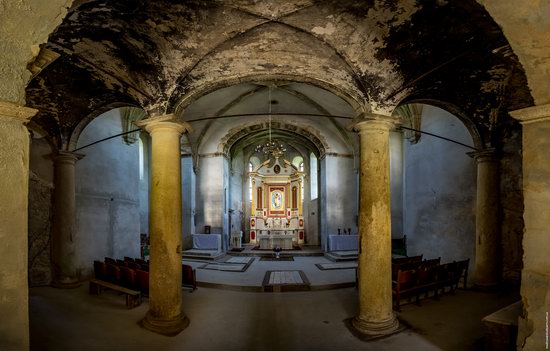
column 374, row 330
column 66, row 283
column 170, row 327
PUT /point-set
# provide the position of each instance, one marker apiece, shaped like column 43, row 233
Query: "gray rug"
column 333, row 266
column 234, row 264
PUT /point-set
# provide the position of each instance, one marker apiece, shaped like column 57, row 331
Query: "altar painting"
column 277, row 201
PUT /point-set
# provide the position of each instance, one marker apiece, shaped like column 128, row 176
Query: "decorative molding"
column 533, row 114
column 336, row 154
column 130, row 116
column 13, row 110
column 412, row 114
column 44, row 59
column 149, row 124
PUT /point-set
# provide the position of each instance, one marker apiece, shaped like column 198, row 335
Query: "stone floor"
column 223, row 319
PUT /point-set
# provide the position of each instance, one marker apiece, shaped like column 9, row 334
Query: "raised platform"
column 339, row 256
column 202, row 254
column 304, row 251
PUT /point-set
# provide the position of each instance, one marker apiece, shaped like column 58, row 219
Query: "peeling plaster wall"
column 144, row 185
column 40, row 212
column 440, row 190
column 526, row 25
column 535, row 285
column 511, row 200
column 188, row 201
column 25, row 25
column 107, row 195
column 238, row 187
column 210, row 194
column 338, row 196
column 396, row 184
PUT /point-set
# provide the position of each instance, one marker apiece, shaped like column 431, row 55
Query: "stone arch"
column 75, row 134
column 353, row 98
column 478, row 138
column 307, row 132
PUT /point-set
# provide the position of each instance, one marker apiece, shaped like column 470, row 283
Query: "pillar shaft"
column 487, row 266
column 375, row 316
column 64, row 220
column 165, row 315
column 14, row 192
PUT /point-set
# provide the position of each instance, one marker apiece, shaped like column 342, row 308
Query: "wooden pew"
column 133, row 298
column 406, row 285
column 188, row 277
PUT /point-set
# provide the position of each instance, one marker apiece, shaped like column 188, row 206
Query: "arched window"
column 301, row 167
column 250, row 168
column 313, row 175
column 141, row 160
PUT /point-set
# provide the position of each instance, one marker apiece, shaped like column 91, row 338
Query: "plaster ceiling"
column 163, row 56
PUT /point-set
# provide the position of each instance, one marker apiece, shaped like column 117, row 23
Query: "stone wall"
column 188, row 201
column 210, row 194
column 338, row 196
column 40, row 212
column 107, row 195
column 440, row 190
column 511, row 200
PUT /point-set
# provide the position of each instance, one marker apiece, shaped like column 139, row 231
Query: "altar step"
column 303, row 251
column 340, row 256
column 202, row 254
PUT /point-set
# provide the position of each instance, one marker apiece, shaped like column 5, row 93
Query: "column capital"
column 169, row 121
column 67, row 157
column 485, row 155
column 13, row 110
column 372, row 122
column 533, row 114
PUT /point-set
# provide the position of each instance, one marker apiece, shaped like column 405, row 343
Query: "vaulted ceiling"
column 374, row 54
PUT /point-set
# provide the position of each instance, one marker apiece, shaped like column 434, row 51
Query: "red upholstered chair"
column 121, row 263
column 128, row 259
column 188, row 276
column 140, row 261
column 128, row 278
column 142, row 278
column 110, row 260
column 406, row 285
column 100, row 271
column 113, row 273
column 133, row 265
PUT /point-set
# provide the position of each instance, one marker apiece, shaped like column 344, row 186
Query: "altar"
column 269, row 241
column 276, row 219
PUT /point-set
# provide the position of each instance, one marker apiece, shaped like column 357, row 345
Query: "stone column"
column 64, row 220
column 488, row 263
column 376, row 317
column 14, row 194
column 165, row 315
column 535, row 276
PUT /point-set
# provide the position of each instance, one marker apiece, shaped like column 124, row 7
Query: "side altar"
column 276, row 218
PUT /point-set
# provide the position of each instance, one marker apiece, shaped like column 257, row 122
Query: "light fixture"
column 271, row 147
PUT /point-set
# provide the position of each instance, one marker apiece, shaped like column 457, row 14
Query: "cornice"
column 12, row 110
column 533, row 114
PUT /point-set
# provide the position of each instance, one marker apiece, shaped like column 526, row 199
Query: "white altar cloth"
column 207, row 241
column 343, row 242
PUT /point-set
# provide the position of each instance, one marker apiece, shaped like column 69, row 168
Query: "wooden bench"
column 133, row 298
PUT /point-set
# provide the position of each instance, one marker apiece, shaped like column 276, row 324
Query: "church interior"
column 274, row 175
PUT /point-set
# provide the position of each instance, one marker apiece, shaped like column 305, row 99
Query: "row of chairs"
column 133, row 263
column 121, row 274
column 134, row 273
column 414, row 279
